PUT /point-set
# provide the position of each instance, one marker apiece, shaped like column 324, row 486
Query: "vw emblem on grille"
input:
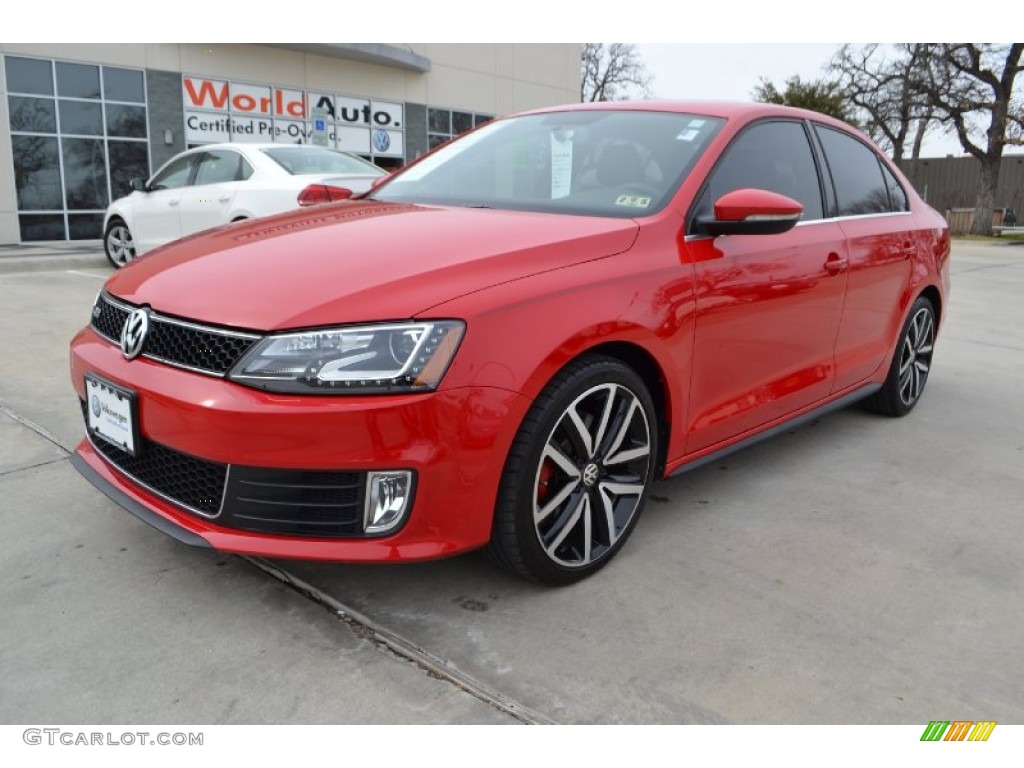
column 133, row 334
column 95, row 403
column 381, row 140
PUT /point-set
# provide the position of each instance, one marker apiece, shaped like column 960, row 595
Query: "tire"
column 577, row 475
column 118, row 243
column 911, row 363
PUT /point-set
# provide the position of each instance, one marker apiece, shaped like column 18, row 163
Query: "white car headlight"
column 363, row 359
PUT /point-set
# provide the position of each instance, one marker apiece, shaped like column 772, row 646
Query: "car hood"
column 357, row 261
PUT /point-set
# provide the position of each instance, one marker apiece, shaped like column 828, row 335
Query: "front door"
column 768, row 306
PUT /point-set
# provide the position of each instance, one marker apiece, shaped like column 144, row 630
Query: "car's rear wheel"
column 911, row 363
column 576, row 478
column 118, row 243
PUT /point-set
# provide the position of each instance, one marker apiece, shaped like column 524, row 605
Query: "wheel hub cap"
column 592, row 475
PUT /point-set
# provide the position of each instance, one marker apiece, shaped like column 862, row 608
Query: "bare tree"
column 612, row 71
column 882, row 83
column 972, row 88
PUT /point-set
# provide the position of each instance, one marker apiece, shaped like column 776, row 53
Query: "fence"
column 950, row 185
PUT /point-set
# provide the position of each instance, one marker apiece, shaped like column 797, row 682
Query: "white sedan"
column 220, row 183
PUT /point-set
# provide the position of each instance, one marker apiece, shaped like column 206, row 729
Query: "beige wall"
column 499, row 78
column 495, row 79
column 8, row 197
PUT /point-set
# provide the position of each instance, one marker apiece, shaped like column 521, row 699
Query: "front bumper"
column 453, row 441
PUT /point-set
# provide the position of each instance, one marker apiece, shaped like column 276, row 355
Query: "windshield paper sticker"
column 633, row 201
column 561, row 163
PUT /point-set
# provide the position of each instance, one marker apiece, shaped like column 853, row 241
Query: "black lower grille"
column 294, row 501
column 193, row 483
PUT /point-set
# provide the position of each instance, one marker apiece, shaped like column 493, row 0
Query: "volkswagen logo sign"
column 381, row 140
column 95, row 405
column 133, row 334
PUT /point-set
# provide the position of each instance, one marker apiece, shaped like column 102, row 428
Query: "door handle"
column 224, row 198
column 835, row 264
column 173, row 202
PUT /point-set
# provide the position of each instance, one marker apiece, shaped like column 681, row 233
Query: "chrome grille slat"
column 200, row 348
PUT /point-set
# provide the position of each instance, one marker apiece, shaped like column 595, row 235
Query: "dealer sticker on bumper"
column 111, row 413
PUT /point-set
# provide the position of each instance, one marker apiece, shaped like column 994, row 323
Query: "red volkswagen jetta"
column 507, row 343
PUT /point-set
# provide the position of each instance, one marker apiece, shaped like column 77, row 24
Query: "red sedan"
column 507, row 343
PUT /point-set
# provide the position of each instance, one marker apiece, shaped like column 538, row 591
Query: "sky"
column 731, row 71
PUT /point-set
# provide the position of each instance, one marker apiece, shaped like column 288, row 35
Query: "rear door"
column 768, row 306
column 883, row 239
column 219, row 177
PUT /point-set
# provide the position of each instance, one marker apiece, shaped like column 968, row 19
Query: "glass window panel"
column 85, row 226
column 123, row 85
column 897, row 197
column 439, row 121
column 29, row 76
column 47, row 227
column 37, row 173
column 81, row 81
column 174, row 175
column 85, row 173
column 856, row 173
column 128, row 160
column 775, row 156
column 126, row 121
column 481, row 119
column 434, row 140
column 81, row 117
column 32, row 115
column 461, row 122
column 218, row 167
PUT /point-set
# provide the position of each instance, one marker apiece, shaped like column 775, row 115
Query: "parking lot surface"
column 854, row 570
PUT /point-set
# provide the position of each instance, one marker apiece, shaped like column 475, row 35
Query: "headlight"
column 367, row 359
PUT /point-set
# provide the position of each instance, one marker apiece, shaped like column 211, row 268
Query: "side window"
column 856, row 172
column 897, row 197
column 220, row 166
column 775, row 156
column 174, row 175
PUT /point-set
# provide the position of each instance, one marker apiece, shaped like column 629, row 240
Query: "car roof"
column 728, row 110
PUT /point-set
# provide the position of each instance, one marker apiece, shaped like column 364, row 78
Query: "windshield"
column 597, row 163
column 302, row 161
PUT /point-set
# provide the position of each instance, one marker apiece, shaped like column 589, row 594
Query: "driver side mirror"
column 752, row 212
column 138, row 184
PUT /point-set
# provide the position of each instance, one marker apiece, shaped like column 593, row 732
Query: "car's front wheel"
column 118, row 243
column 577, row 476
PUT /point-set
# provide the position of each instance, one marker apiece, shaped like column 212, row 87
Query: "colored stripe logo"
column 958, row 730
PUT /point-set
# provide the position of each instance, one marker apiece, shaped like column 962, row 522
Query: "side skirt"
column 834, row 405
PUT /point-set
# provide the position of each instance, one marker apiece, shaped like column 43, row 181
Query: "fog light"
column 388, row 495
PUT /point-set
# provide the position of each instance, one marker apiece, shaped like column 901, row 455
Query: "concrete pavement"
column 856, row 570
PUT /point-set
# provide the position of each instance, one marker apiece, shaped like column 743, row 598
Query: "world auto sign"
column 223, row 110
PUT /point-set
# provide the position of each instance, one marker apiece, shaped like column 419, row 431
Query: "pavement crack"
column 43, row 432
column 32, row 466
column 433, row 666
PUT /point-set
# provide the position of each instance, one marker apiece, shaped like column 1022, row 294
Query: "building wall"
column 952, row 182
column 482, row 79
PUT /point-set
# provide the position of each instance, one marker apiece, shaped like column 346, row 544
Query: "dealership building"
column 77, row 122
